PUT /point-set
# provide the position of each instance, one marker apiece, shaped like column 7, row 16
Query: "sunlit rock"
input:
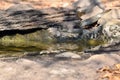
column 112, row 30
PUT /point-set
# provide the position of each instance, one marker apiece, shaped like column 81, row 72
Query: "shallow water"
column 17, row 44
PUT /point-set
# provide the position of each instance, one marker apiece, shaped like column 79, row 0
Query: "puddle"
column 17, row 44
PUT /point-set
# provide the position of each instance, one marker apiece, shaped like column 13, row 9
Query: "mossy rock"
column 39, row 39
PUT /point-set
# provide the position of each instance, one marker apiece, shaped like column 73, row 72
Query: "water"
column 17, row 44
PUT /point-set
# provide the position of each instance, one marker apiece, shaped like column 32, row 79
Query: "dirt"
column 4, row 4
column 39, row 4
column 46, row 68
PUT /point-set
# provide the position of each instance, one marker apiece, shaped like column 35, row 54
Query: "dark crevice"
column 13, row 32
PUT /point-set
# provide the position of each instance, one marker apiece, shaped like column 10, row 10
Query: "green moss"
column 38, row 39
column 41, row 40
column 94, row 42
column 11, row 54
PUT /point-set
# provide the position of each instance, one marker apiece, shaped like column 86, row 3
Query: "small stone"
column 68, row 55
column 44, row 52
column 51, row 51
column 31, row 53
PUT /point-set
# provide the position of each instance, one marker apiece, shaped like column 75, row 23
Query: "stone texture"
column 94, row 7
column 71, row 55
column 54, row 69
column 23, row 16
column 112, row 28
column 111, row 15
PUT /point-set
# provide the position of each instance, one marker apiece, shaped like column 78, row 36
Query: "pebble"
column 51, row 51
column 31, row 53
column 68, row 55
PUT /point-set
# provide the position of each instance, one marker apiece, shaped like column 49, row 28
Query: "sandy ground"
column 4, row 4
column 52, row 68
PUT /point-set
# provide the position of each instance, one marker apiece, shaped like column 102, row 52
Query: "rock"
column 111, row 30
column 65, row 34
column 90, row 8
column 54, row 31
column 96, row 10
column 61, row 23
column 93, row 19
column 94, row 7
column 31, row 53
column 111, row 15
column 24, row 21
column 68, row 55
column 50, row 51
column 91, row 26
column 23, row 17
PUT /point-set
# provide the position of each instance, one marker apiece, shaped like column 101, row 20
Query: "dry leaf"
column 117, row 66
column 112, row 73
